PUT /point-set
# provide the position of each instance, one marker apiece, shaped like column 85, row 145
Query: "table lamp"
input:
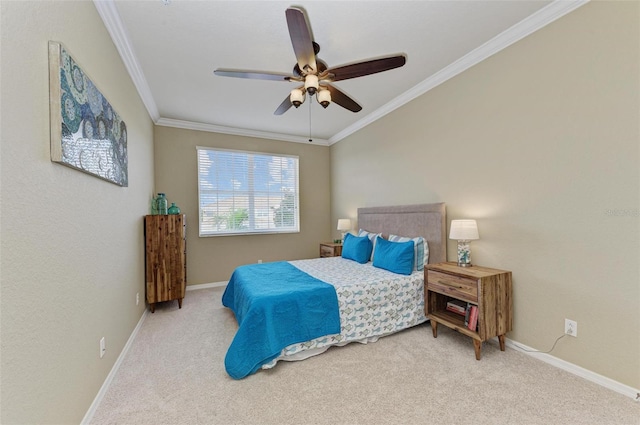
column 464, row 231
column 344, row 225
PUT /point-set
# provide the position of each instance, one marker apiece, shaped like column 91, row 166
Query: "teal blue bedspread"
column 276, row 305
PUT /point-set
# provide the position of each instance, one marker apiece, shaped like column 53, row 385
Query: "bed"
column 292, row 310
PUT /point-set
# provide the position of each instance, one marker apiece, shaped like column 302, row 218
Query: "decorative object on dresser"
column 486, row 292
column 330, row 249
column 166, row 258
column 344, row 225
column 161, row 204
column 464, row 231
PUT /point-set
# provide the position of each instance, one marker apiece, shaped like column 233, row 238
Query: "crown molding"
column 190, row 125
column 112, row 21
column 532, row 23
column 109, row 13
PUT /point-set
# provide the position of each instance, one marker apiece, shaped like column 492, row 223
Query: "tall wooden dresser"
column 166, row 258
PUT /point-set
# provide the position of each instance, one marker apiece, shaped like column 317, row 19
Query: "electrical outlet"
column 571, row 327
column 103, row 347
column 137, row 298
column 259, row 261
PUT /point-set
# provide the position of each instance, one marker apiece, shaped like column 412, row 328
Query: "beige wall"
column 537, row 143
column 212, row 259
column 71, row 244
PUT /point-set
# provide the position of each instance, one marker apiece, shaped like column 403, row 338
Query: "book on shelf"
column 457, row 306
column 473, row 317
column 467, row 312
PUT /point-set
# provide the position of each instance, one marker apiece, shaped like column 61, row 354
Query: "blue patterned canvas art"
column 86, row 133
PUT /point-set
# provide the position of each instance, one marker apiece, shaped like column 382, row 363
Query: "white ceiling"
column 172, row 47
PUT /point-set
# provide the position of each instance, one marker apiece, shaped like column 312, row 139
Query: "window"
column 247, row 192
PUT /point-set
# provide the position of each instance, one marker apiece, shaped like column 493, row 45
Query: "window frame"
column 251, row 195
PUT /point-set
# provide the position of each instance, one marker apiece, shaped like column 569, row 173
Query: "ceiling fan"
column 313, row 72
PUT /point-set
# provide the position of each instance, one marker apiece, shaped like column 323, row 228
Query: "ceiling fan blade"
column 284, row 107
column 301, row 40
column 255, row 75
column 340, row 98
column 365, row 68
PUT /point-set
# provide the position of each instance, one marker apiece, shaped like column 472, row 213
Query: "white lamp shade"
column 296, row 96
column 311, row 83
column 344, row 224
column 324, row 97
column 464, row 230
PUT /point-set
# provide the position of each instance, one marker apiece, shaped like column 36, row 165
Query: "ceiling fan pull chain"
column 310, row 140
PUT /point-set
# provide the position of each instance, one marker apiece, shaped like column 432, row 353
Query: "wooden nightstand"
column 330, row 249
column 488, row 289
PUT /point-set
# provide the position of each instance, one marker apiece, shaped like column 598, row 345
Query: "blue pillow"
column 356, row 248
column 396, row 257
column 372, row 237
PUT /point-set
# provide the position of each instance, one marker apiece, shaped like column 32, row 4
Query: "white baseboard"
column 616, row 386
column 107, row 382
column 207, row 285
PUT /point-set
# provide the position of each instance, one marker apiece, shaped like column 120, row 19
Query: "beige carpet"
column 174, row 374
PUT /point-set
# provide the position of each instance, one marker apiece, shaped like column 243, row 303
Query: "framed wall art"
column 86, row 132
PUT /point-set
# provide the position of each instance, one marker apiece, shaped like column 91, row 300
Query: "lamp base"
column 464, row 254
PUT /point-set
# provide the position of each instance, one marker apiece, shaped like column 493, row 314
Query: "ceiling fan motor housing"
column 320, row 64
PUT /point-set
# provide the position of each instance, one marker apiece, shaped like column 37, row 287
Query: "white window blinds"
column 247, row 192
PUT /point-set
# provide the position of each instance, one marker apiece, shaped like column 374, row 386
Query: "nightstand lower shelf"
column 453, row 321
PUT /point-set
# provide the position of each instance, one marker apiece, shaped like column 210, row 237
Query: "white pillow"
column 420, row 250
column 372, row 237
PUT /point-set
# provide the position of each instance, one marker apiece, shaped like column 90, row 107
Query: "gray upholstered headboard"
column 426, row 220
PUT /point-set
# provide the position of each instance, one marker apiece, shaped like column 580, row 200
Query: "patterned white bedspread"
column 373, row 302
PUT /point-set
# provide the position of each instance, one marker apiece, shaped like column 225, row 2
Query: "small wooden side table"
column 330, row 249
column 487, row 289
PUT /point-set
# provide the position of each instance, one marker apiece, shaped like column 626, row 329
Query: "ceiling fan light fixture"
column 324, row 97
column 296, row 97
column 311, row 84
column 310, row 70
